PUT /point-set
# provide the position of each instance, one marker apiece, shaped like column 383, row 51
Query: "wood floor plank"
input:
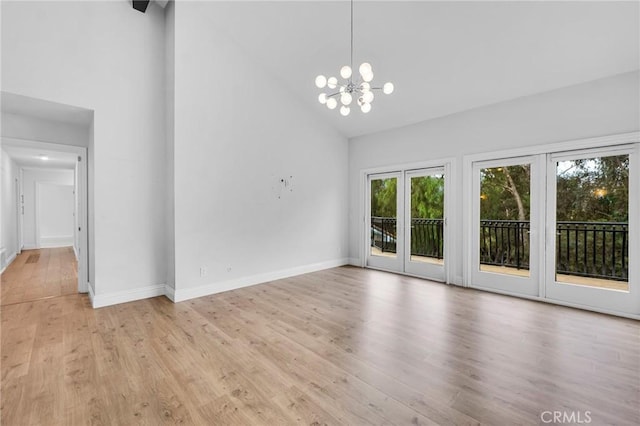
column 39, row 274
column 341, row 346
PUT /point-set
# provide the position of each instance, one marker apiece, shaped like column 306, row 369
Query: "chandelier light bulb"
column 367, row 97
column 345, row 71
column 351, row 86
column 321, row 81
column 365, row 68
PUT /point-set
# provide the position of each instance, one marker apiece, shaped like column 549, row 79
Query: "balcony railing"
column 593, row 249
column 587, row 249
column 383, row 233
column 504, row 243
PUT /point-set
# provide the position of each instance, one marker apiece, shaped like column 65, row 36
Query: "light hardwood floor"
column 39, row 274
column 342, row 346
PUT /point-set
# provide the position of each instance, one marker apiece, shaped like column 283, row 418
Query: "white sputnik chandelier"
column 351, row 89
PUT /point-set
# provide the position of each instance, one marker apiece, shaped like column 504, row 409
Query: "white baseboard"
column 56, row 241
column 170, row 292
column 102, row 300
column 91, row 295
column 180, row 295
column 8, row 261
column 75, row 251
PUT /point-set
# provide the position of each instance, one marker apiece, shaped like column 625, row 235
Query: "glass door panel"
column 592, row 217
column 385, row 249
column 505, row 208
column 425, row 211
column 505, row 214
column 592, row 200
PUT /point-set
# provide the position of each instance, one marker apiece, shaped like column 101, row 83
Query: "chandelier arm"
column 357, row 87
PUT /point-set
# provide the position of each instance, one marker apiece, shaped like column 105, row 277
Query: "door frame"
column 629, row 301
column 569, row 145
column 19, row 208
column 449, row 164
column 531, row 285
column 82, row 189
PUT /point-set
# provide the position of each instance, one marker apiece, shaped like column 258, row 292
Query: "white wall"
column 54, row 214
column 598, row 108
column 8, row 212
column 107, row 57
column 31, row 180
column 237, row 133
column 35, row 129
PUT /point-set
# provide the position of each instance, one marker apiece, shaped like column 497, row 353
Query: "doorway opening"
column 44, row 220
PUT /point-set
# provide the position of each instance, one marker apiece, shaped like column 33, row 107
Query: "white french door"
column 425, row 231
column 405, row 222
column 592, row 249
column 384, row 224
column 505, row 243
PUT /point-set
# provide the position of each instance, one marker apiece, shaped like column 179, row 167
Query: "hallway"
column 39, row 274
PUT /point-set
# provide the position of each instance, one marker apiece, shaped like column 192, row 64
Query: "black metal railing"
column 383, row 233
column 593, row 249
column 504, row 243
column 588, row 249
column 427, row 237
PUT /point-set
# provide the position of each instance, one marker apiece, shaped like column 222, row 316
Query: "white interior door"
column 425, row 230
column 592, row 228
column 505, row 243
column 385, row 217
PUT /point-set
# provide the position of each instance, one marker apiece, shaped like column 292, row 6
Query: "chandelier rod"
column 351, row 35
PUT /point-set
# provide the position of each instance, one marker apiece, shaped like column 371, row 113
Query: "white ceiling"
column 443, row 57
column 29, row 157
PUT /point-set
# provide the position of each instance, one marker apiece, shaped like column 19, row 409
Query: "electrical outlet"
column 203, row 271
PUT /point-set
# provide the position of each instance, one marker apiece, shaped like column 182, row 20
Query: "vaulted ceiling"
column 443, row 57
